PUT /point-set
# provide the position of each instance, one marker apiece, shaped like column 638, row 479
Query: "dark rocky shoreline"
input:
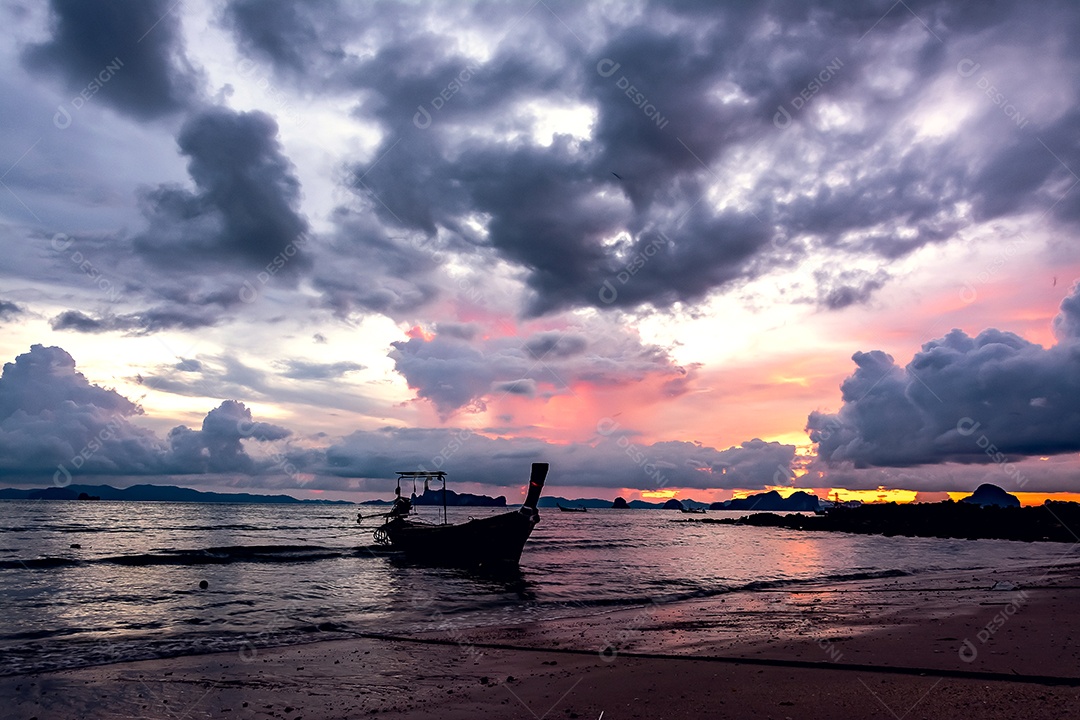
column 1053, row 521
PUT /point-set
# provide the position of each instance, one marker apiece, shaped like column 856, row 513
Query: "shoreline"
column 825, row 651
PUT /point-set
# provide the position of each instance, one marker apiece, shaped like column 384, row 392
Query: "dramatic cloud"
column 56, row 423
column 138, row 323
column 218, row 447
column 615, row 460
column 246, row 205
column 848, row 287
column 132, row 51
column 52, row 419
column 666, row 112
column 304, row 370
column 283, row 31
column 367, row 270
column 51, row 415
column 456, row 372
column 958, row 396
column 9, row 310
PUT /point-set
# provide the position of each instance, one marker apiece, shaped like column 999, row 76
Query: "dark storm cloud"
column 145, row 322
column 690, row 180
column 1067, row 322
column 153, row 78
column 365, row 269
column 848, row 287
column 616, row 461
column 10, row 310
column 188, row 365
column 246, row 205
column 555, row 345
column 555, row 210
column 628, row 216
column 287, row 33
column 218, row 446
column 56, row 423
column 516, row 387
column 305, row 370
column 960, row 399
column 51, row 415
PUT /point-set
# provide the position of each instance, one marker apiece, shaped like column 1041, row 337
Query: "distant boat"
column 579, row 508
column 836, row 505
column 484, row 542
column 694, row 511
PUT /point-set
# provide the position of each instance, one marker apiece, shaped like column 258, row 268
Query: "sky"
column 675, row 249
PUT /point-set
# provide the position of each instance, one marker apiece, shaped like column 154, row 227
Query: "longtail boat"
column 579, row 508
column 482, row 542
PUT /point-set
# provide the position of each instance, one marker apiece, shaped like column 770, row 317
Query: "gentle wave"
column 206, row 556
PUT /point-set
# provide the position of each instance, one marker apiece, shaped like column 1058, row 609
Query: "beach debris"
column 76, row 546
column 203, row 584
column 1003, row 585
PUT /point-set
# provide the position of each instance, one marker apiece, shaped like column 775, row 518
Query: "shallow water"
column 287, row 573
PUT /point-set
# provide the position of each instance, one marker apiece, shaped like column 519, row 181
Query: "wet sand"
column 991, row 644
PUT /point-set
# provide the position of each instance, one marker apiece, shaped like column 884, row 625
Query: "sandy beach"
column 990, row 644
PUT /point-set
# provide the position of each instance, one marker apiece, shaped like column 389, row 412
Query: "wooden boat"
column 579, row 508
column 694, row 510
column 495, row 541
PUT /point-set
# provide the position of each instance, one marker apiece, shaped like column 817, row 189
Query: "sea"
column 95, row 582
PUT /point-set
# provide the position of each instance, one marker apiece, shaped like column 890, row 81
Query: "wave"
column 38, row 563
column 699, row 591
column 74, row 649
column 206, row 556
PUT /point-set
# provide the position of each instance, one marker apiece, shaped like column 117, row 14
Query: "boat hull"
column 483, row 542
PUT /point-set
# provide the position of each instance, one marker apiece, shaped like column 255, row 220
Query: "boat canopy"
column 426, row 475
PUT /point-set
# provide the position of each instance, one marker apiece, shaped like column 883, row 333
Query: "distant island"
column 153, row 493
column 453, row 499
column 798, row 501
column 987, row 494
column 555, row 501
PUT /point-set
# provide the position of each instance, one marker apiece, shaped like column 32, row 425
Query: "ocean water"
column 279, row 574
